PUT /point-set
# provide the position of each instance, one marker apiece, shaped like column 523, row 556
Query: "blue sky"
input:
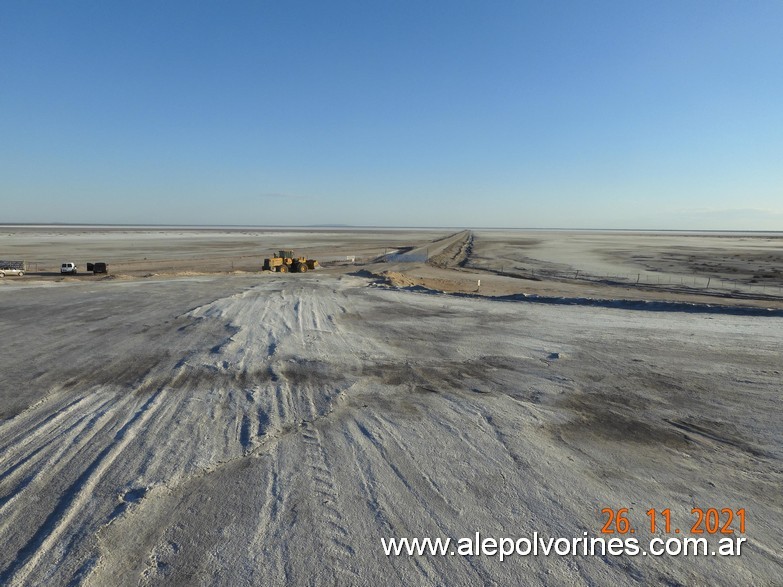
column 659, row 114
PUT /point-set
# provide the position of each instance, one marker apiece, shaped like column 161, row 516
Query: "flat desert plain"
column 191, row 420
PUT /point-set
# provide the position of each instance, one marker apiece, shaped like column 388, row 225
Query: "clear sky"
column 594, row 114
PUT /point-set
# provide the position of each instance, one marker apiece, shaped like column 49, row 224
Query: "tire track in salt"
column 334, row 535
column 426, row 494
column 28, row 432
column 384, row 516
column 46, row 466
column 75, row 498
column 269, row 516
column 60, row 434
column 50, row 465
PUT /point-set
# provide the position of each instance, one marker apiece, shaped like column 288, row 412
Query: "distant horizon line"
column 370, row 226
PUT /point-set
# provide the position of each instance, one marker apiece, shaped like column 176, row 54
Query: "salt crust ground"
column 264, row 430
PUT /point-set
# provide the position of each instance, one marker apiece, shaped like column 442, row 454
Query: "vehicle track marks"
column 75, row 498
column 356, row 434
column 26, row 431
column 334, row 534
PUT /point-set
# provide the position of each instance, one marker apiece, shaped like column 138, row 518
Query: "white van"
column 68, row 268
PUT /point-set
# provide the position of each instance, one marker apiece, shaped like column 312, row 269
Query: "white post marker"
column 478, row 285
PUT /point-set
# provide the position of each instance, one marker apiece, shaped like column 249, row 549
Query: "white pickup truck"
column 6, row 271
column 68, row 268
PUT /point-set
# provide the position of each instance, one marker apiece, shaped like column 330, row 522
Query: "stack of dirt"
column 397, row 279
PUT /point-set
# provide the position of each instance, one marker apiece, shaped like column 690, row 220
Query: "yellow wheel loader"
column 284, row 261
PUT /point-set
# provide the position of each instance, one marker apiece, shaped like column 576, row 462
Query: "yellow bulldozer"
column 284, row 261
